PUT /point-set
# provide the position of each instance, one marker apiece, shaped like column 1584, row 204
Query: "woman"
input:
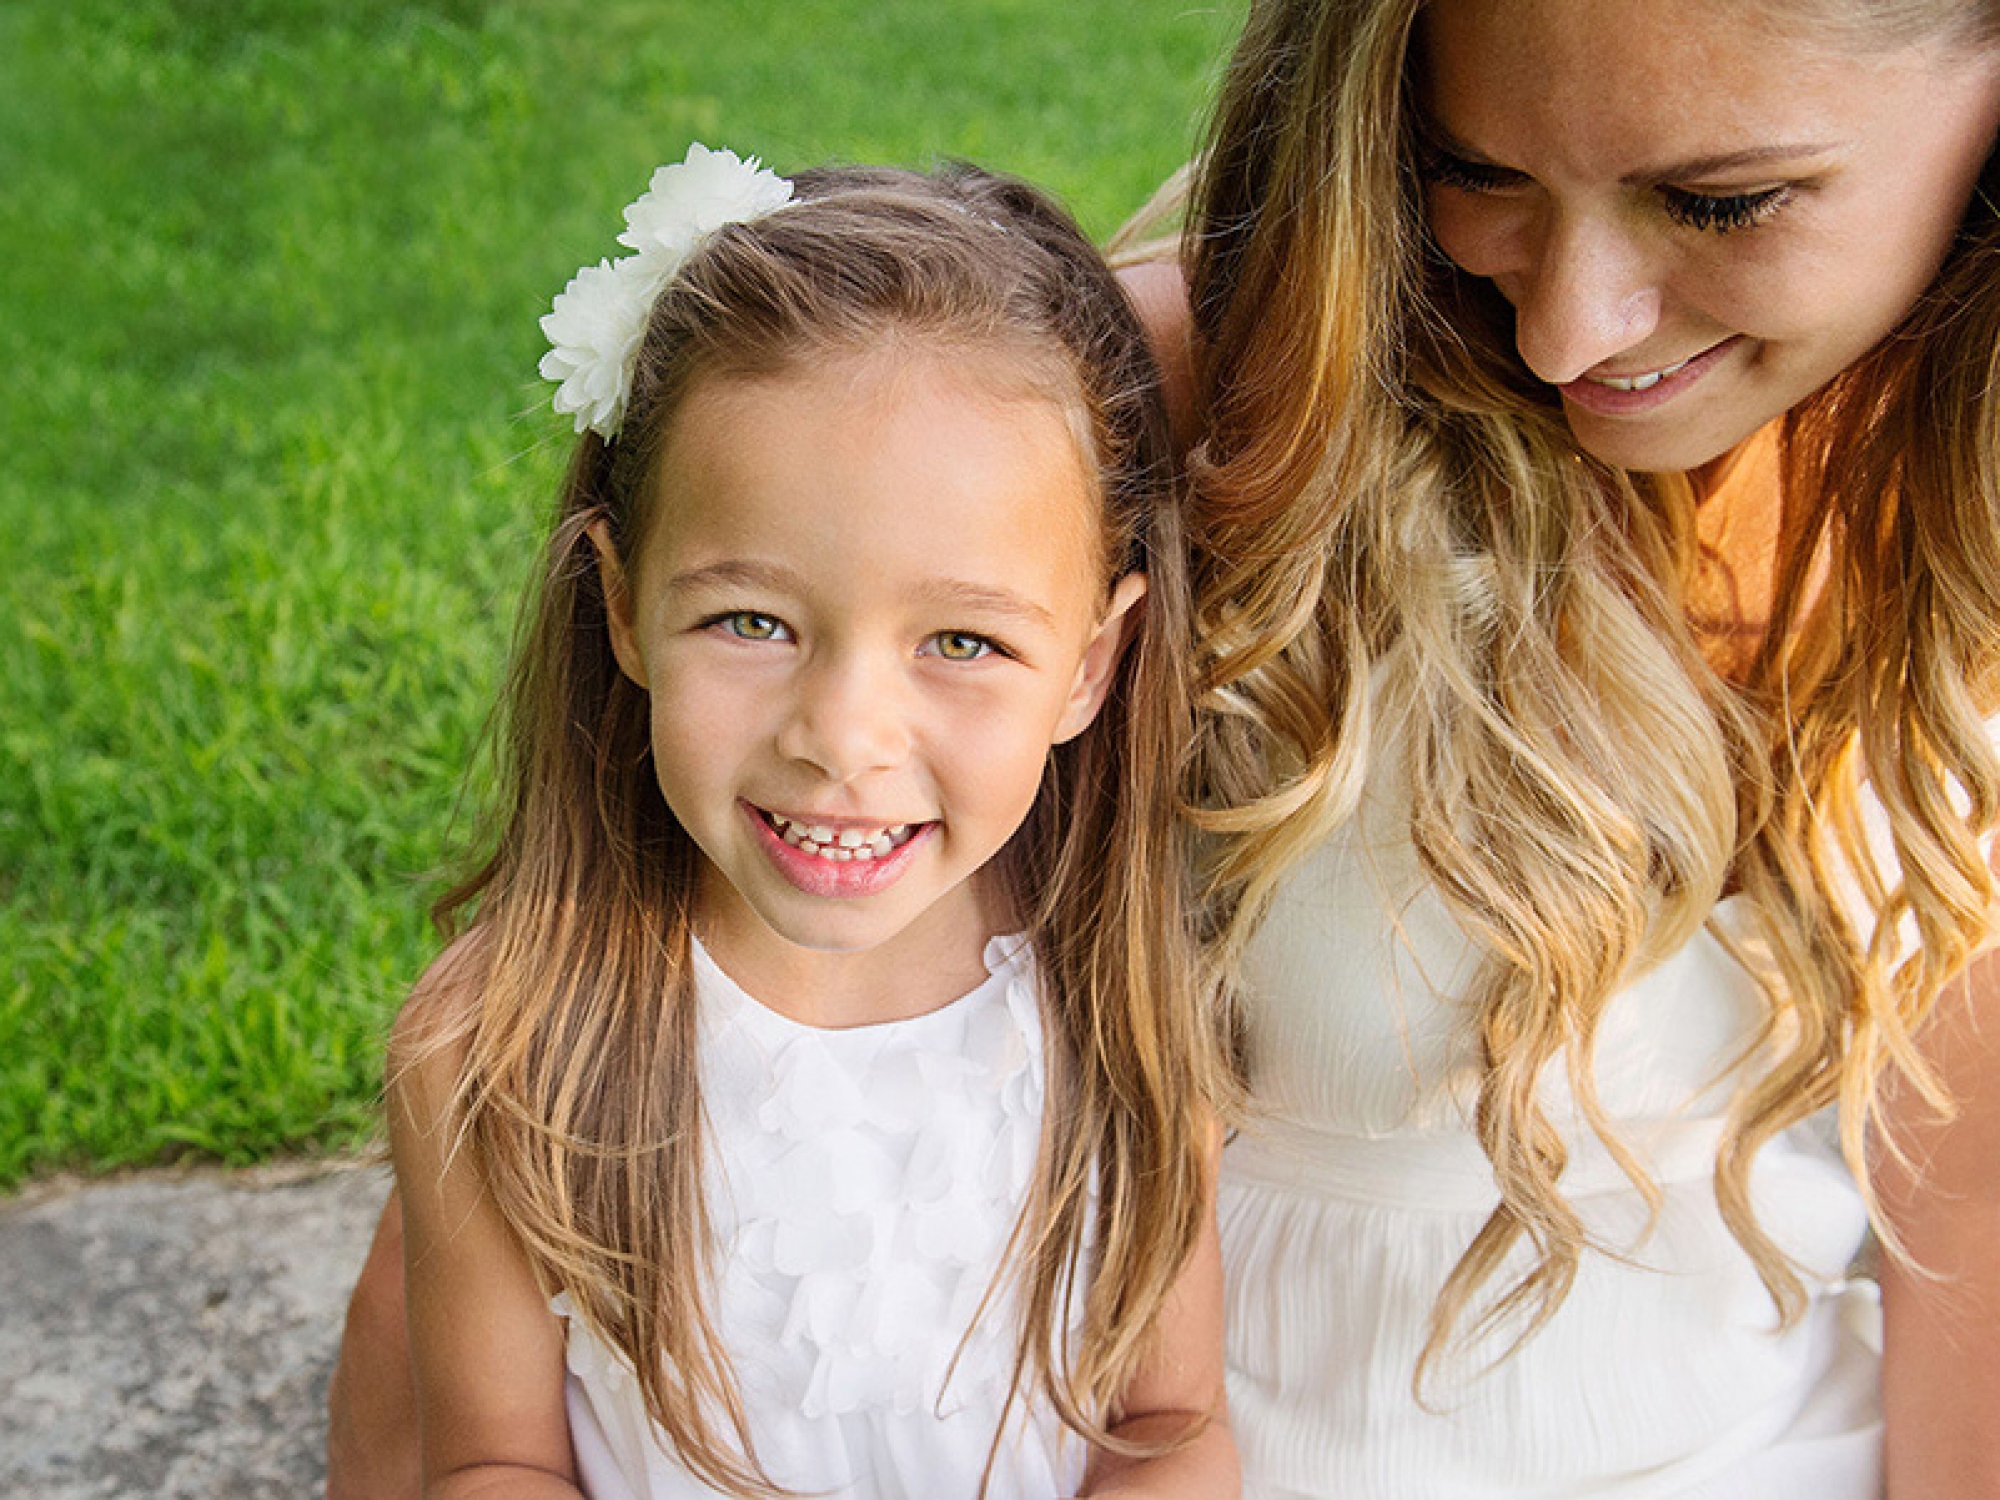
column 1531, row 338
column 1599, row 519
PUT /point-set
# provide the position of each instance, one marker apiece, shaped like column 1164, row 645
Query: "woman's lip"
column 1610, row 400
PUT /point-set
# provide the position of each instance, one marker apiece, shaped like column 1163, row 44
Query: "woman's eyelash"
column 1717, row 213
column 1722, row 213
column 1442, row 167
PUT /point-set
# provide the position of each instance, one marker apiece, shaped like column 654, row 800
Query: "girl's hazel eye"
column 957, row 645
column 748, row 625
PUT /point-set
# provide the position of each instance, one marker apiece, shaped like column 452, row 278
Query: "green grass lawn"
column 273, row 457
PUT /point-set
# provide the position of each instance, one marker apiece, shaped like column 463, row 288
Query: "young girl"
column 816, row 1100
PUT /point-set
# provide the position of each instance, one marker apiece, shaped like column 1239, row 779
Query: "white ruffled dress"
column 1346, row 1203
column 863, row 1184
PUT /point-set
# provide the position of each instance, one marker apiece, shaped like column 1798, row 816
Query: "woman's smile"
column 1756, row 204
column 1644, row 390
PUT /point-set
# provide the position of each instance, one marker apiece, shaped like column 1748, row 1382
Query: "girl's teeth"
column 844, row 847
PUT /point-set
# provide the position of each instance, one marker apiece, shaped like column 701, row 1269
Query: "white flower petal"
column 597, row 323
column 697, row 196
column 594, row 330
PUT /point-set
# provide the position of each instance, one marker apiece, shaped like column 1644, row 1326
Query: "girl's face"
column 1699, row 219
column 869, row 601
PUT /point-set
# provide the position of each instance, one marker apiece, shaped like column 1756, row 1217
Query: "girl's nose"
column 846, row 719
column 1584, row 293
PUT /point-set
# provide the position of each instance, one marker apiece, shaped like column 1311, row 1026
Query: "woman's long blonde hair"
column 580, row 1091
column 1389, row 511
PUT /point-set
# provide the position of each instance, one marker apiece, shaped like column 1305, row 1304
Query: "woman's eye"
column 1722, row 213
column 958, row 645
column 748, row 625
column 1445, row 169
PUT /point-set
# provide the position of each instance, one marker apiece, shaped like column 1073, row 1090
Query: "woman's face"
column 1699, row 219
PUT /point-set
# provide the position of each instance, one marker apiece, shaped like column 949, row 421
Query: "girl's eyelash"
column 1725, row 212
column 761, row 627
column 946, row 642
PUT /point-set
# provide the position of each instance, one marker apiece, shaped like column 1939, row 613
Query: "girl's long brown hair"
column 1388, row 510
column 580, row 1091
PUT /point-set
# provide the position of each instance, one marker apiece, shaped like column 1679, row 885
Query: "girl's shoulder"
column 433, row 1030
column 448, row 991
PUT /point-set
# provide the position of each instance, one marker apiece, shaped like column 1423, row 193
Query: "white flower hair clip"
column 597, row 322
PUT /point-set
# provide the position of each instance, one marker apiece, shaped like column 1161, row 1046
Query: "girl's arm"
column 1179, row 1383
column 488, row 1352
column 1941, row 1362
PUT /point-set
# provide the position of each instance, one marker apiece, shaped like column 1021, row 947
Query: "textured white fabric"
column 1349, row 1199
column 864, row 1183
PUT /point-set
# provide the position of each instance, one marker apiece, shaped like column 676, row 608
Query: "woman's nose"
column 846, row 718
column 1584, row 293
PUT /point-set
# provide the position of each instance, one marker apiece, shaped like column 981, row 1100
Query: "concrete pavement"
column 170, row 1335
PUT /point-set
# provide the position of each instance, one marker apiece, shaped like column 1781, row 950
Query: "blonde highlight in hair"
column 580, row 1092
column 1392, row 525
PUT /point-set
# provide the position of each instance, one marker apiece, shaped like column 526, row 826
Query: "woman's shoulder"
column 1157, row 290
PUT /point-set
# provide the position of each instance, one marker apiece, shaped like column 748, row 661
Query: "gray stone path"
column 168, row 1336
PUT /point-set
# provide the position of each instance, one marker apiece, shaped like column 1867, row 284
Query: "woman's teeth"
column 1640, row 382
column 843, row 845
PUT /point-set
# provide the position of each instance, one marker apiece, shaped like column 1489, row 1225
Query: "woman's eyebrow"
column 1729, row 161
column 1435, row 135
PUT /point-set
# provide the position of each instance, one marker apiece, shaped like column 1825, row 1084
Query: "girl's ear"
column 1100, row 658
column 617, row 603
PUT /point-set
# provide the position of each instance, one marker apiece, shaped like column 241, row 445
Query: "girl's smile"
column 835, row 840
column 833, row 859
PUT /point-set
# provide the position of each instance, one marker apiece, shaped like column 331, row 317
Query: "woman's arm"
column 1180, row 1383
column 372, row 1447
column 1941, row 1363
column 488, row 1352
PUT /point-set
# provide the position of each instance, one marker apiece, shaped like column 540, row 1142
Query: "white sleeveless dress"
column 1349, row 1198
column 864, row 1184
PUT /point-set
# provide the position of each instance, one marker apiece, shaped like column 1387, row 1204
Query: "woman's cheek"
column 1480, row 236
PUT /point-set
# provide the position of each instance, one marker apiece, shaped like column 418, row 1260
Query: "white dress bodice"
column 1358, row 1184
column 863, row 1185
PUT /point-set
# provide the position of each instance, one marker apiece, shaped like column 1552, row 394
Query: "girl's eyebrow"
column 737, row 573
column 985, row 600
column 943, row 593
